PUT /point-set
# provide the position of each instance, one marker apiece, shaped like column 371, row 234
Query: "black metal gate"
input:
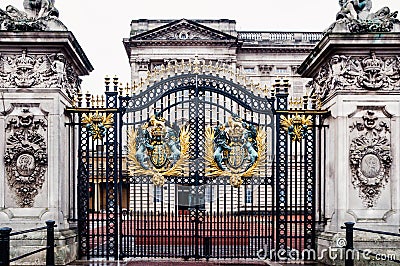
column 196, row 164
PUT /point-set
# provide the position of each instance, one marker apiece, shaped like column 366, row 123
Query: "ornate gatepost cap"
column 42, row 60
column 36, row 16
column 356, row 17
column 45, row 54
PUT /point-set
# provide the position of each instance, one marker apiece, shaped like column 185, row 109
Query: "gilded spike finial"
column 127, row 89
column 93, row 101
column 196, row 65
column 102, row 101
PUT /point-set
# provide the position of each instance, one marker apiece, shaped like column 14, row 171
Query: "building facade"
column 262, row 56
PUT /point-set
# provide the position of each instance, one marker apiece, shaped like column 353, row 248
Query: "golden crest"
column 157, row 154
column 214, row 169
column 296, row 126
column 97, row 124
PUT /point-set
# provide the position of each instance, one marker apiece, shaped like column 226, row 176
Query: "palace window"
column 249, row 195
column 249, row 70
column 281, row 70
column 158, row 194
column 208, row 194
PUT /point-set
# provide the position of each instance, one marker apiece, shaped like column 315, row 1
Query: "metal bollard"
column 50, row 243
column 5, row 246
column 349, row 260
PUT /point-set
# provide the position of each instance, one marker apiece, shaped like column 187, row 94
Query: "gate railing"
column 5, row 234
column 292, row 193
column 350, row 250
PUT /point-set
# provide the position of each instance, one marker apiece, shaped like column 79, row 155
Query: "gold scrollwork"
column 97, row 124
column 296, row 126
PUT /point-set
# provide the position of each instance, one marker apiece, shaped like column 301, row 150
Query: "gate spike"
column 102, row 101
column 127, row 89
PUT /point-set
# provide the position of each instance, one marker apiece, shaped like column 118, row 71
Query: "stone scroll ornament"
column 370, row 158
column 38, row 71
column 38, row 15
column 158, row 150
column 26, row 156
column 235, row 149
column 345, row 73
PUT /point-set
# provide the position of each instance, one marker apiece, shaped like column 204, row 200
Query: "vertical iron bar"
column 282, row 165
column 83, row 196
column 112, row 176
column 310, row 189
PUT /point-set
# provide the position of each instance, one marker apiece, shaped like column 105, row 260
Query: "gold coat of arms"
column 158, row 150
column 235, row 149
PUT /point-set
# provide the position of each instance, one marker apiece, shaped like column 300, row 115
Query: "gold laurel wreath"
column 158, row 175
column 235, row 179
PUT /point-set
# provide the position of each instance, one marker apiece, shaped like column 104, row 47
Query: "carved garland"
column 26, row 157
column 358, row 73
column 370, row 158
column 29, row 71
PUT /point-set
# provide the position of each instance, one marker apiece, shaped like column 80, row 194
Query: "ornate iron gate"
column 196, row 164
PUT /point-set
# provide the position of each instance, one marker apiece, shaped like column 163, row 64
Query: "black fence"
column 350, row 250
column 130, row 207
column 5, row 234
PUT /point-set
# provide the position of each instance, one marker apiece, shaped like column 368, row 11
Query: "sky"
column 100, row 25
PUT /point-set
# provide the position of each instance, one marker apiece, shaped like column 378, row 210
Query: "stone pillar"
column 39, row 78
column 356, row 77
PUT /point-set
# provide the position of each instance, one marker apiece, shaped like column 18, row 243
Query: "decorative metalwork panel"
column 196, row 165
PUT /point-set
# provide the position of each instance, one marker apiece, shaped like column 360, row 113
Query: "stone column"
column 356, row 77
column 39, row 78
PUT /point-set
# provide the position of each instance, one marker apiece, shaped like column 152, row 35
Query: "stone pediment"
column 183, row 30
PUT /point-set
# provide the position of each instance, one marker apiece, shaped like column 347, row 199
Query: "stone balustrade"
column 279, row 37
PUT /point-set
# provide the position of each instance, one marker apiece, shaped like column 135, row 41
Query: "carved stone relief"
column 26, row 154
column 30, row 71
column 370, row 156
column 265, row 69
column 184, row 30
column 357, row 73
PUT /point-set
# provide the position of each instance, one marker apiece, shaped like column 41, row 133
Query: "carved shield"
column 159, row 155
column 236, row 156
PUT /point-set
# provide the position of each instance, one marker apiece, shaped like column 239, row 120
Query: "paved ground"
column 142, row 262
column 169, row 262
